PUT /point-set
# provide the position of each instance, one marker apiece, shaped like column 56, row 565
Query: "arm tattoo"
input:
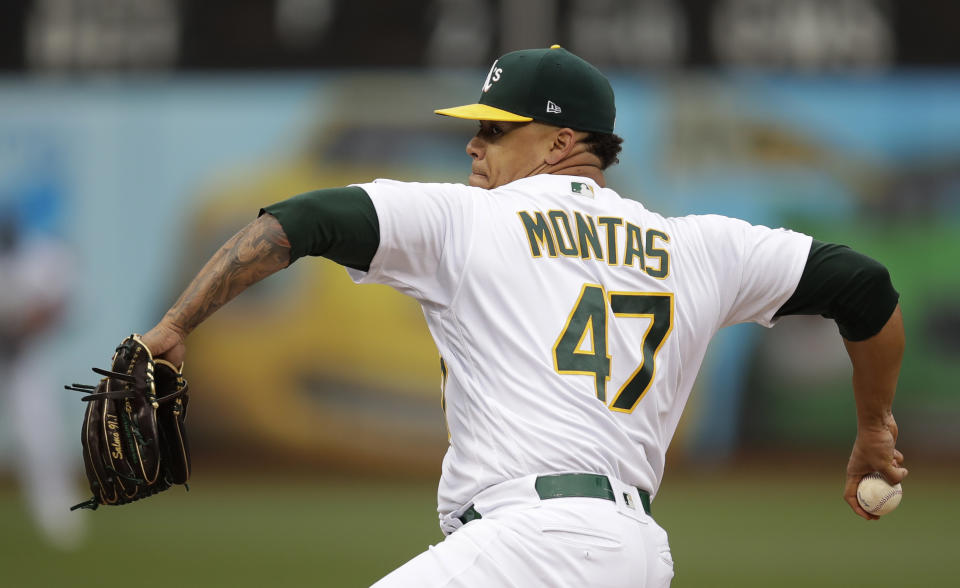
column 257, row 251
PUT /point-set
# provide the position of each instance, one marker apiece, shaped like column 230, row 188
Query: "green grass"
column 233, row 533
column 744, row 528
column 758, row 528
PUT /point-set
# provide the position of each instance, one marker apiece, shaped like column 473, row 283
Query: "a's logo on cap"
column 492, row 76
column 552, row 107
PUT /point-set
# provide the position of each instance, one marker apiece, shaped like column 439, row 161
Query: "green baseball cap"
column 552, row 86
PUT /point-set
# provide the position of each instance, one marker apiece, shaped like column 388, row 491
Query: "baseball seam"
column 884, row 501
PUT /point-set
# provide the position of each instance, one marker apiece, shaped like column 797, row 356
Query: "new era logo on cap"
column 552, row 107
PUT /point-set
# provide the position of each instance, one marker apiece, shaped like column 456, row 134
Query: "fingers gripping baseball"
column 873, row 451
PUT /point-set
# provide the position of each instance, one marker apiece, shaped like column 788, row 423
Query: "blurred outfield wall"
column 147, row 176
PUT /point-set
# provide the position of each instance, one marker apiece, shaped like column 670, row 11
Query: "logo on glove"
column 115, row 444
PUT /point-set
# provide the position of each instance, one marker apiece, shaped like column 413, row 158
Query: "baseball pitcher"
column 571, row 323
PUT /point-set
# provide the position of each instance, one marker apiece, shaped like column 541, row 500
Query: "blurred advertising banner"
column 155, row 173
column 782, row 35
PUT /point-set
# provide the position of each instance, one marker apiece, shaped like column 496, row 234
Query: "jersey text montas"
column 617, row 241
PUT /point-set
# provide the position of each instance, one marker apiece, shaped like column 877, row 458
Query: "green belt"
column 568, row 486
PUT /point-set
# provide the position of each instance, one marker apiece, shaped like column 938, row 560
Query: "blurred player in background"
column 571, row 325
column 35, row 270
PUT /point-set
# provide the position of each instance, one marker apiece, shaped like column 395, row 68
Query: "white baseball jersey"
column 571, row 322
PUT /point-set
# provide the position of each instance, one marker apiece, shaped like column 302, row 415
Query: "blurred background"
column 138, row 135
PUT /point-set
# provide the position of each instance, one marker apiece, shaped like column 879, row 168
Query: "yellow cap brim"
column 482, row 112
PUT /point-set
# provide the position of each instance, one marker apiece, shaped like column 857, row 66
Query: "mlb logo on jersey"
column 582, row 189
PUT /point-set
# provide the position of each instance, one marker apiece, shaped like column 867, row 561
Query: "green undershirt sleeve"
column 846, row 286
column 338, row 223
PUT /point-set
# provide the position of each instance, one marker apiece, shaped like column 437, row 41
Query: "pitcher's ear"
column 563, row 142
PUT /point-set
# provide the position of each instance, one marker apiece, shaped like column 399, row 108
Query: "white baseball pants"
column 527, row 542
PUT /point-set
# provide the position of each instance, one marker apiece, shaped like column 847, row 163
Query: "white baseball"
column 876, row 496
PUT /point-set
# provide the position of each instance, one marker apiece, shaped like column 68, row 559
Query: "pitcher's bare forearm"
column 876, row 368
column 257, row 251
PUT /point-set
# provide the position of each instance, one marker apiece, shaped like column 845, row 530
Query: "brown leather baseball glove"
column 133, row 435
